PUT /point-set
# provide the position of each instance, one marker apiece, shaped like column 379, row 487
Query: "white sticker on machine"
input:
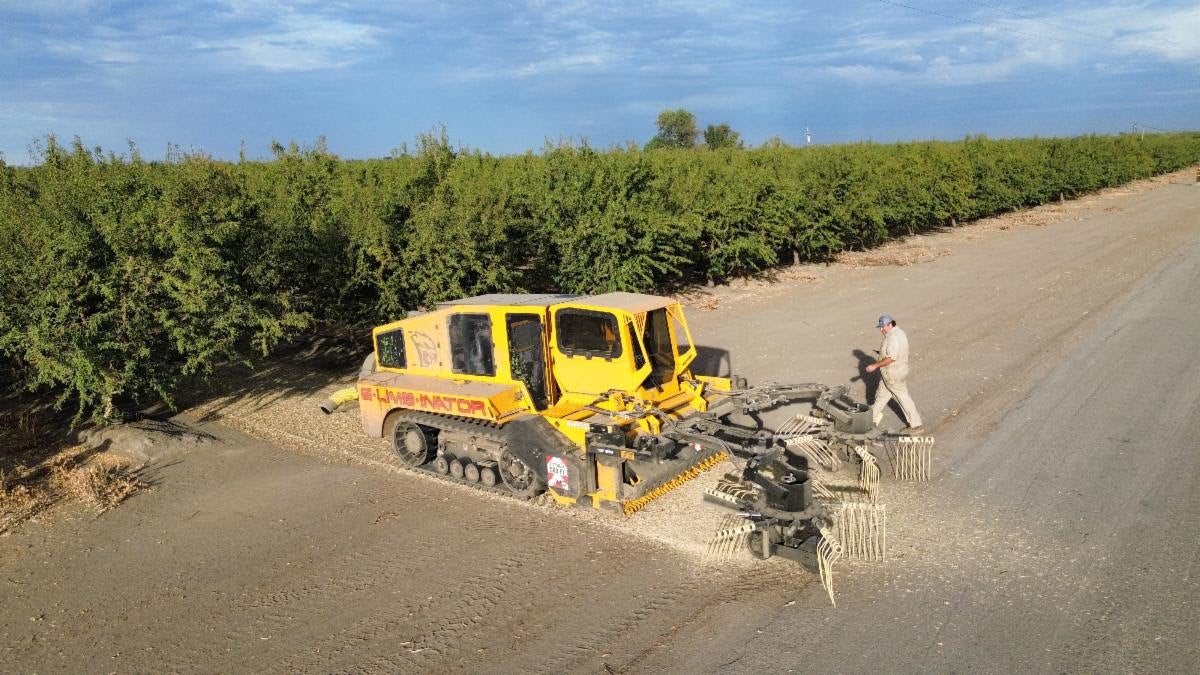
column 557, row 474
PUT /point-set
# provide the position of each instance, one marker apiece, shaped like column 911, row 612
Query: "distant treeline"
column 119, row 276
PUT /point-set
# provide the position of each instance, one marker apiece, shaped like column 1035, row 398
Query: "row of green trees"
column 120, row 276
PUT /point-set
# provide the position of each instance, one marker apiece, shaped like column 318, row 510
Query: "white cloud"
column 263, row 35
column 656, row 38
column 49, row 8
column 579, row 61
column 992, row 44
column 1172, row 34
column 726, row 99
column 298, row 42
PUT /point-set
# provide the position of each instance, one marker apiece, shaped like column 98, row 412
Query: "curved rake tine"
column 829, row 551
column 868, row 472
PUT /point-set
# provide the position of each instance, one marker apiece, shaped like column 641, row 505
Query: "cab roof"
column 629, row 302
column 512, row 299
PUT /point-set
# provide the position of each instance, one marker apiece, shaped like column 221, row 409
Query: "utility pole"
column 807, row 136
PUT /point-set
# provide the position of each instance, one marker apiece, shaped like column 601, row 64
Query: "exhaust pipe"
column 338, row 399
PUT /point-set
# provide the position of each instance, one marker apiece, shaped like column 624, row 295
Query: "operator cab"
column 621, row 341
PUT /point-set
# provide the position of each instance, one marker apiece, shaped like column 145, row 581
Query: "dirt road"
column 1067, row 540
column 1052, row 361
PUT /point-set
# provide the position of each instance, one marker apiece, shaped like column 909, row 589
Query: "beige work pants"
column 899, row 390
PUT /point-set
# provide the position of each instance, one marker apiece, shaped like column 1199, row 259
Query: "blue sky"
column 507, row 77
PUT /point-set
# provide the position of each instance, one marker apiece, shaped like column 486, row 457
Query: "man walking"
column 893, row 366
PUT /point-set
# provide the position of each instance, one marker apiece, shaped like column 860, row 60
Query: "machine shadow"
column 712, row 362
column 303, row 367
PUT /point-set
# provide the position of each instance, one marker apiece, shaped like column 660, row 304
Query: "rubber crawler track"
column 492, row 431
column 481, row 428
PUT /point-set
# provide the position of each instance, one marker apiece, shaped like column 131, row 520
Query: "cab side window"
column 471, row 349
column 389, row 348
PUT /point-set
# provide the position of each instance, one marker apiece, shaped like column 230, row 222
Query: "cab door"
column 527, row 355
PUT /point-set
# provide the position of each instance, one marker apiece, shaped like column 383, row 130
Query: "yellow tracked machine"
column 593, row 400
column 575, row 396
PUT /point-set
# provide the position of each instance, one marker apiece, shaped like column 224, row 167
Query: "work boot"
column 912, row 431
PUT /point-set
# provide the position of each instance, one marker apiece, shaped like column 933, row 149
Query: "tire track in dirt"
column 616, row 629
column 373, row 567
column 304, row 581
column 597, row 634
column 455, row 611
column 373, row 453
column 312, row 592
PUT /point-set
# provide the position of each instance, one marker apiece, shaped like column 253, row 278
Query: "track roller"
column 471, row 472
column 457, row 468
column 442, row 464
column 487, row 474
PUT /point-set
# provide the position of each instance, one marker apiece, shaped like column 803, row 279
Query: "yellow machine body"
column 607, row 367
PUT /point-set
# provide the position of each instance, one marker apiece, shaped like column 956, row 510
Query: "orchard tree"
column 717, row 136
column 676, row 129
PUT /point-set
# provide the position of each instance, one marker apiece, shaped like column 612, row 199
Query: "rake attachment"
column 816, row 449
column 788, row 509
column 911, row 457
column 868, row 472
column 861, row 529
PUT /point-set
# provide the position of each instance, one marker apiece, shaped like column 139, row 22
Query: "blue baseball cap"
column 885, row 320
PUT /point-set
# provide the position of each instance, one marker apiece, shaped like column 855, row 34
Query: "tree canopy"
column 717, row 136
column 676, row 129
column 121, row 279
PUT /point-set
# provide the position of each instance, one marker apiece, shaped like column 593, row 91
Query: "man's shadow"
column 872, row 381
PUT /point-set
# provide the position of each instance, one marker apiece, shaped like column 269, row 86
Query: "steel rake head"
column 800, row 425
column 730, row 492
column 861, row 530
column 911, row 457
column 817, row 450
column 729, row 539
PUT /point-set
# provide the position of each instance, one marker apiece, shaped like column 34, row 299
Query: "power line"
column 1037, row 20
column 985, row 24
column 1139, row 125
column 1056, row 25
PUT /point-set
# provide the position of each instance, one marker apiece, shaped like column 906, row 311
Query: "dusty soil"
column 276, row 538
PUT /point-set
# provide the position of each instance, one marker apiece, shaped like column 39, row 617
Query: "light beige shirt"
column 895, row 345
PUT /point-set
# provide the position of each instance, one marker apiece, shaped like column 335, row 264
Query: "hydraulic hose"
column 338, row 399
